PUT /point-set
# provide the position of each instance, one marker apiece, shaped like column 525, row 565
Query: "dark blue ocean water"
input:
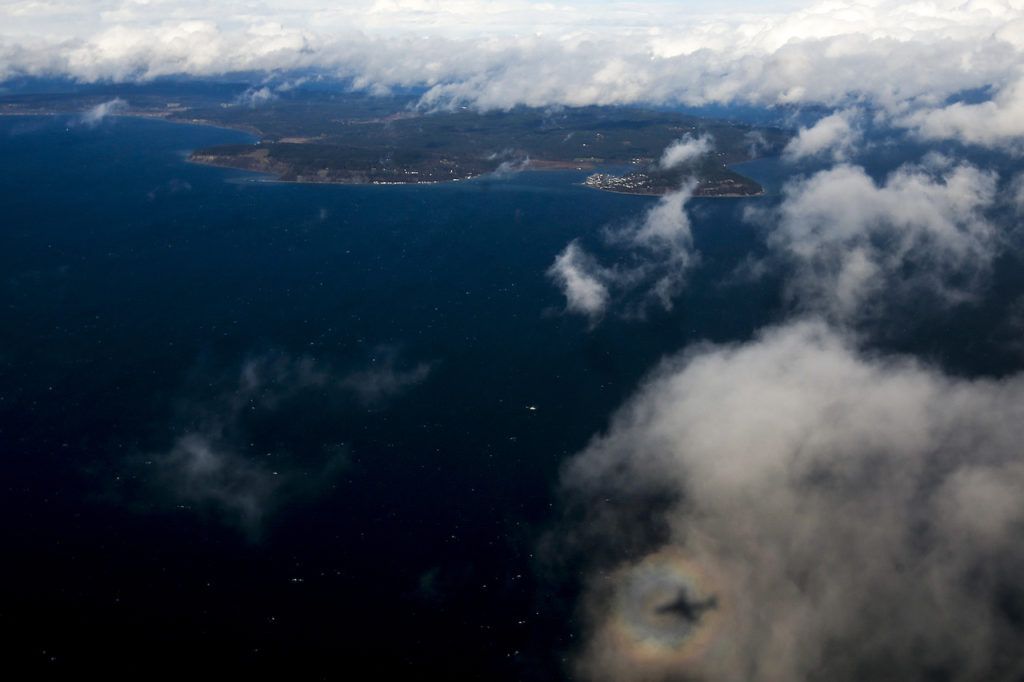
column 135, row 288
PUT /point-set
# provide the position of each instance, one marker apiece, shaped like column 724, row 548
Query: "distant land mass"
column 355, row 138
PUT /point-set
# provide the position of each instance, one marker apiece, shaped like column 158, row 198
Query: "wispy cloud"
column 657, row 255
column 583, row 281
column 93, row 116
column 216, row 463
column 255, row 97
column 385, row 376
column 222, row 461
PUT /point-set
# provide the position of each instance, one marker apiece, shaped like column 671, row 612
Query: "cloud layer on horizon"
column 906, row 59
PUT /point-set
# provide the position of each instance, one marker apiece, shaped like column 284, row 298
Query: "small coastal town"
column 644, row 183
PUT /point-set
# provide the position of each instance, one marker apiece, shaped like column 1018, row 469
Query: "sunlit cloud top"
column 906, row 59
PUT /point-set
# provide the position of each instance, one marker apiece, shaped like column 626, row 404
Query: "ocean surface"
column 396, row 355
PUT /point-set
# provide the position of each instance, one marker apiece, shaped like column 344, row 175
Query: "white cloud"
column 834, row 516
column 581, row 281
column 95, row 115
column 834, row 134
column 665, row 234
column 792, row 508
column 656, row 256
column 684, row 150
column 855, row 246
column 1016, row 192
column 904, row 57
column 993, row 123
column 255, row 97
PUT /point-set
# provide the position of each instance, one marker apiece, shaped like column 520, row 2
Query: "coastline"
column 271, row 177
column 661, row 194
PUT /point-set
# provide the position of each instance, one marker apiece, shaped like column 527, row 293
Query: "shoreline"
column 270, row 177
column 661, row 194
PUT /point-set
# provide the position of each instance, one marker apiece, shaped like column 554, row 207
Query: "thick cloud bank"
column 905, row 58
column 814, row 513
